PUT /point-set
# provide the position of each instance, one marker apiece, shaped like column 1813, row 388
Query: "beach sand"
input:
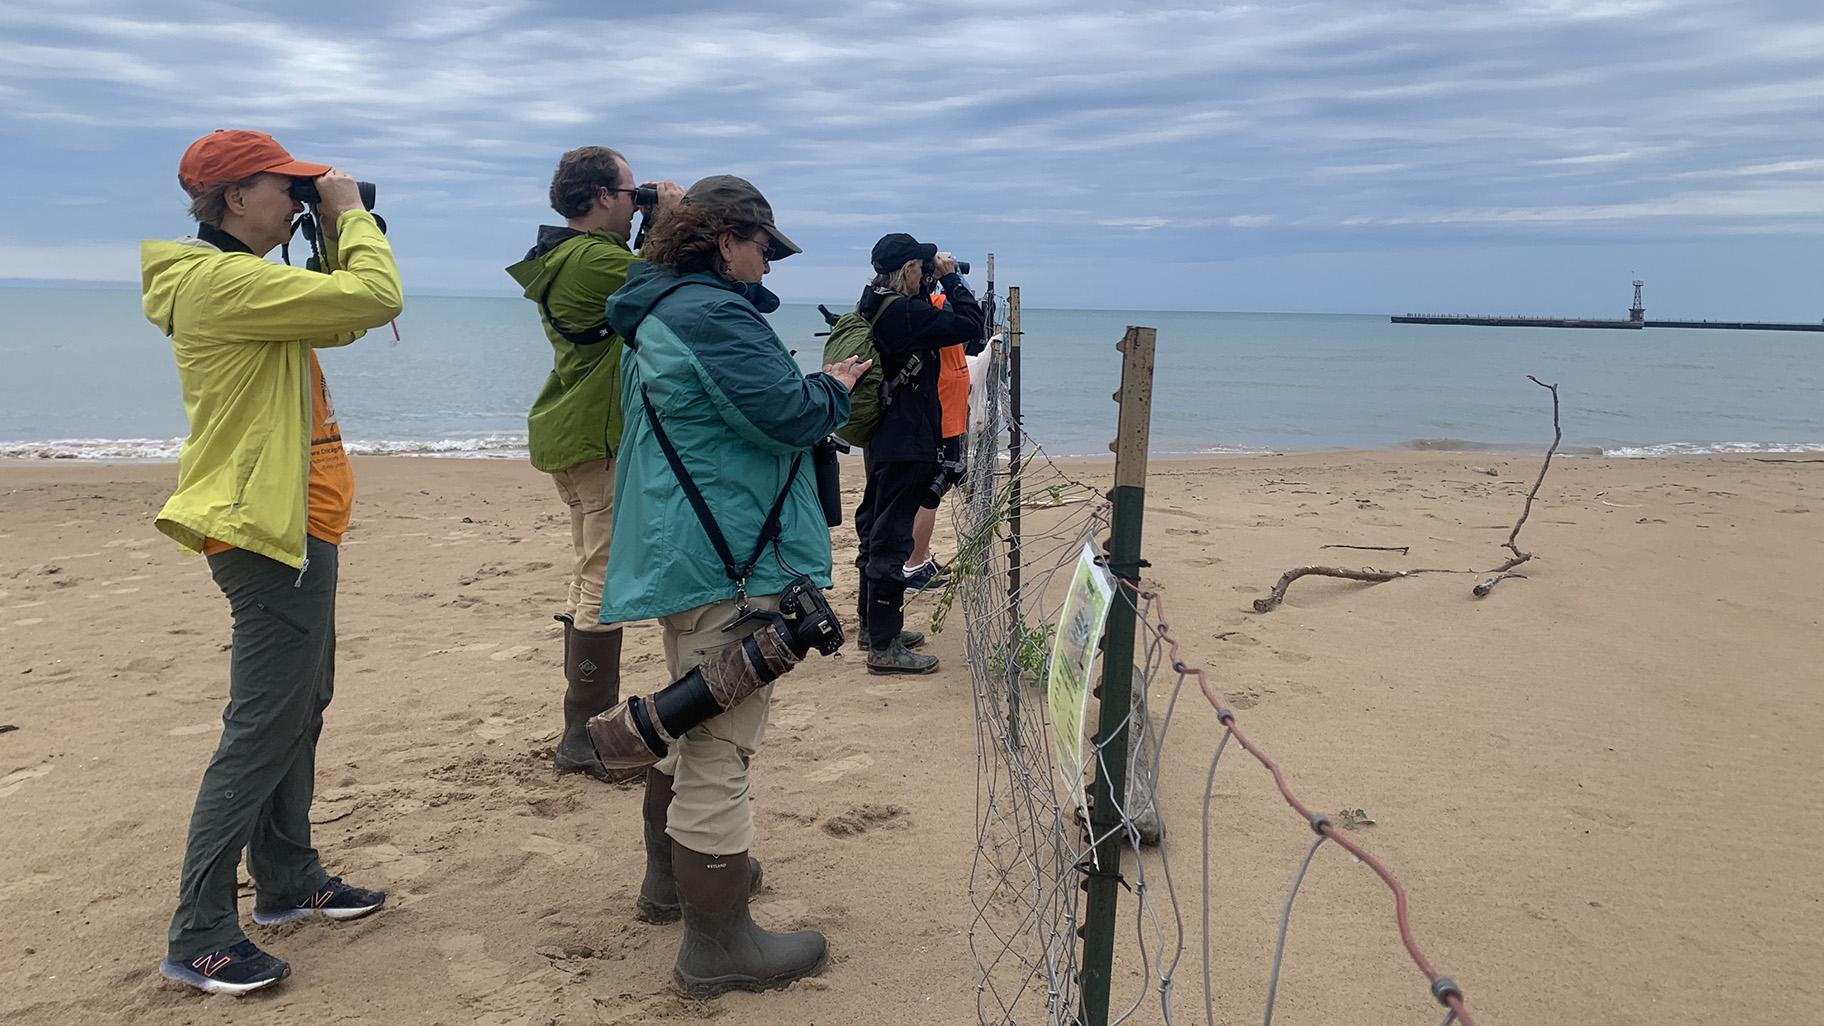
column 1600, row 785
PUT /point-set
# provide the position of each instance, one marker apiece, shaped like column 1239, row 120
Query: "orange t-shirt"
column 952, row 384
column 331, row 488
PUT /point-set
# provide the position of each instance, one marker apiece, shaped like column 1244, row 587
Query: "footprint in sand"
column 493, row 728
column 17, row 779
column 194, row 729
column 840, row 768
column 793, row 717
column 563, row 854
column 472, row 973
column 30, row 621
column 785, row 913
column 519, row 652
column 859, row 819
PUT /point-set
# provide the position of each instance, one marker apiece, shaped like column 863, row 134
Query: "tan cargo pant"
column 588, row 489
column 709, row 765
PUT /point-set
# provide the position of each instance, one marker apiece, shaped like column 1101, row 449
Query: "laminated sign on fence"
column 1073, row 659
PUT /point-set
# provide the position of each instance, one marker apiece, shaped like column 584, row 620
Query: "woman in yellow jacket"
column 264, row 489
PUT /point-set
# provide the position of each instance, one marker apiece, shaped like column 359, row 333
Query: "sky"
column 1469, row 156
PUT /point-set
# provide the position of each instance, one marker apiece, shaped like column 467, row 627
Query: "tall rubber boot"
column 592, row 665
column 723, row 949
column 658, row 901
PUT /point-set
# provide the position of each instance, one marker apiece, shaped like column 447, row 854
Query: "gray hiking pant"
column 257, row 789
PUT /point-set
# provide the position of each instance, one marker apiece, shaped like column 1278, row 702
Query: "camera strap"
column 769, row 531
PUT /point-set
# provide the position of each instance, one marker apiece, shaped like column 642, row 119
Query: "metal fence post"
column 1116, row 708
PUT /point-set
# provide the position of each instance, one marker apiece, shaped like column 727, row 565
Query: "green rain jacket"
column 737, row 409
column 241, row 329
column 577, row 415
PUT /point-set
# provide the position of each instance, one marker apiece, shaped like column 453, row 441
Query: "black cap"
column 738, row 200
column 892, row 252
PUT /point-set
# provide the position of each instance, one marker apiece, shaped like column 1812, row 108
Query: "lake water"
column 87, row 377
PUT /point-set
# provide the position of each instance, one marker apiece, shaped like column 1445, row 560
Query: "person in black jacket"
column 903, row 458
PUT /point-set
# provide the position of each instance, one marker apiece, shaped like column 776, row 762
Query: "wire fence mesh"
column 1021, row 524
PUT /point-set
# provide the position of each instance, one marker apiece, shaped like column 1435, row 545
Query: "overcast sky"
column 1340, row 155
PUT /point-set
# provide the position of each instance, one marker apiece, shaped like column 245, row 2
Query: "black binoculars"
column 304, row 190
column 645, row 195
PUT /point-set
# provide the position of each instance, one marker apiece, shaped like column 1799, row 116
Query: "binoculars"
column 304, row 190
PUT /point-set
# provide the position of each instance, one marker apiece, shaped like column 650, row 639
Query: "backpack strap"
column 769, row 531
column 597, row 332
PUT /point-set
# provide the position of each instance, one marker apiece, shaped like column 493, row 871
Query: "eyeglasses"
column 767, row 248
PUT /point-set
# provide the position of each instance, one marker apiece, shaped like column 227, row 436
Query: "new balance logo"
column 210, row 964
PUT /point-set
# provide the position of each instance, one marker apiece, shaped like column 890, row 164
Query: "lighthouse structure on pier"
column 1637, row 313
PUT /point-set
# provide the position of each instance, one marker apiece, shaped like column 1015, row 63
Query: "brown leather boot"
column 658, row 901
column 723, row 949
column 592, row 665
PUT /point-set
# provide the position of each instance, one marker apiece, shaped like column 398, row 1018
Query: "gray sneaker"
column 897, row 658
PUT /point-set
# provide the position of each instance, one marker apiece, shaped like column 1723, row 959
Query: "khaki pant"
column 588, row 489
column 709, row 765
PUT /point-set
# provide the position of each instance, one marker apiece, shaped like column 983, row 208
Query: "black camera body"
column 304, row 190
column 813, row 621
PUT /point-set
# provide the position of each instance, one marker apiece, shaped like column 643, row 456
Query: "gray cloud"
column 1134, row 146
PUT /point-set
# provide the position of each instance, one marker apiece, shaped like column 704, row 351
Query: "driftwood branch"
column 1401, row 549
column 1489, row 585
column 1758, row 459
column 1366, row 574
column 1501, row 572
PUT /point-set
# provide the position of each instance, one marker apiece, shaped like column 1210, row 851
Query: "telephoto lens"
column 304, row 190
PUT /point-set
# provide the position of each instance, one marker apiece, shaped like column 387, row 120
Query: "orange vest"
column 952, row 384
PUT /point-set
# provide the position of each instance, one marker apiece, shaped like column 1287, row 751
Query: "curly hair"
column 685, row 238
column 579, row 173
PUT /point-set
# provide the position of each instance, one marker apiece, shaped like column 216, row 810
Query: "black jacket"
column 911, row 332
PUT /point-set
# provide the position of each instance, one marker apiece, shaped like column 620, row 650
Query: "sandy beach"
column 1600, row 785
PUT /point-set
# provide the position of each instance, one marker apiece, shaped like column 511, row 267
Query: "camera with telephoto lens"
column 813, row 622
column 645, row 195
column 304, row 190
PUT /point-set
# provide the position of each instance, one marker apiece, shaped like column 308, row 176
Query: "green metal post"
column 1116, row 707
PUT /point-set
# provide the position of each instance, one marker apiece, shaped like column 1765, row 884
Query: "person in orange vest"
column 923, row 570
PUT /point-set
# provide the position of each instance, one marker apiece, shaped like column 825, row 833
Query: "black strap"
column 575, row 336
column 768, row 530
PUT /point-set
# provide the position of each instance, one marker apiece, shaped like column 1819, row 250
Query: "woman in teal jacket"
column 741, row 417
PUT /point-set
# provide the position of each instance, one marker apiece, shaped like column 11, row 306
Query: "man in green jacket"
column 575, row 424
column 264, row 489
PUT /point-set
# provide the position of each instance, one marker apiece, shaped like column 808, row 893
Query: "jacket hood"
column 163, row 266
column 649, row 283
column 535, row 271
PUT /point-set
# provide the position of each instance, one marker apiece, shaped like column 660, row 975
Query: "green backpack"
column 853, row 335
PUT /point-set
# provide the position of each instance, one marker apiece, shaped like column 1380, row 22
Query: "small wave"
column 1516, row 448
column 480, row 447
column 498, row 447
column 1710, row 448
column 93, row 449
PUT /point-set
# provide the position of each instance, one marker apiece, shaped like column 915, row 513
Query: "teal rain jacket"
column 737, row 409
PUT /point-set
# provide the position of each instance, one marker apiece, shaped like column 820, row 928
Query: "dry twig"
column 1401, row 549
column 1758, row 459
column 1501, row 572
column 1367, row 574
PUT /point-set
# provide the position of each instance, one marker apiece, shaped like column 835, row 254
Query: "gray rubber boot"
column 658, row 901
column 910, row 639
column 592, row 665
column 897, row 658
column 723, row 949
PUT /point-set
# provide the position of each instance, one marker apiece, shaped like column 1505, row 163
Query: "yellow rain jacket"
column 241, row 329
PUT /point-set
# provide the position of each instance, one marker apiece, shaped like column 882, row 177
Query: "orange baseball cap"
column 229, row 155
